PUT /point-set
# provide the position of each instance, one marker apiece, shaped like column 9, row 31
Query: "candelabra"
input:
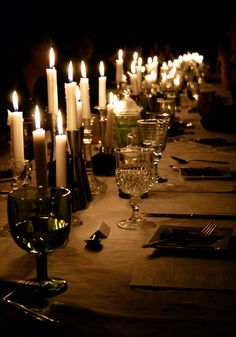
column 77, row 180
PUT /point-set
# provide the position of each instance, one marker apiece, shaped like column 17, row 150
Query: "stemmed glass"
column 133, row 173
column 39, row 220
column 153, row 134
column 21, row 173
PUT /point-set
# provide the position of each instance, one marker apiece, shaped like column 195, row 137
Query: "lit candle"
column 60, row 154
column 109, row 126
column 71, row 109
column 133, row 79
column 84, row 92
column 139, row 73
column 79, row 107
column 102, row 100
column 52, row 86
column 40, row 151
column 119, row 67
column 16, row 125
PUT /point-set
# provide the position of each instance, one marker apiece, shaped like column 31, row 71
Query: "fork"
column 208, row 229
column 204, row 233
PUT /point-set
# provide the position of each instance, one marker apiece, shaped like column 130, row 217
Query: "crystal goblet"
column 153, row 134
column 133, row 173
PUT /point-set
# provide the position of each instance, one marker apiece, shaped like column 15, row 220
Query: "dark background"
column 188, row 26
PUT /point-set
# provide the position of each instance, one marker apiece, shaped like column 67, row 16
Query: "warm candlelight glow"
column 133, row 67
column 37, row 117
column 135, row 56
column 140, row 61
column 70, row 72
column 83, row 69
column 120, row 54
column 111, row 97
column 101, row 68
column 59, row 123
column 15, row 100
column 51, row 58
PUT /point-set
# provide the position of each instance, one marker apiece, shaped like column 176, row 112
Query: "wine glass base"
column 50, row 287
column 135, row 224
column 96, row 185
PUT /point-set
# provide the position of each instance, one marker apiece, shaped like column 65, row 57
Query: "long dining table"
column 123, row 289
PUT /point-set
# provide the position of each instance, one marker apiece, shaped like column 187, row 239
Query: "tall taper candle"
column 84, row 93
column 52, row 86
column 16, row 125
column 102, row 99
column 119, row 67
column 71, row 109
column 40, row 151
column 61, row 176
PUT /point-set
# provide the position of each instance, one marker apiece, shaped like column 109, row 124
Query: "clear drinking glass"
column 152, row 133
column 39, row 220
column 134, row 171
column 21, row 173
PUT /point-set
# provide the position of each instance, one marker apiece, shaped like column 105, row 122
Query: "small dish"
column 206, row 172
column 187, row 238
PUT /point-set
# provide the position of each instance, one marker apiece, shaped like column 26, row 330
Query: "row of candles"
column 77, row 110
column 15, row 120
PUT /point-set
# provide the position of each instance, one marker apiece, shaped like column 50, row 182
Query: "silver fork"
column 208, row 229
column 204, row 233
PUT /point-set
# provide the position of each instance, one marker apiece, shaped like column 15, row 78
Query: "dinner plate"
column 206, row 172
column 172, row 237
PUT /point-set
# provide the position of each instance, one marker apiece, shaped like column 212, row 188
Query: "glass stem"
column 41, row 267
column 156, row 162
column 135, row 202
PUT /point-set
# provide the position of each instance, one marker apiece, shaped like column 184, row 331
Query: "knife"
column 219, row 216
column 184, row 161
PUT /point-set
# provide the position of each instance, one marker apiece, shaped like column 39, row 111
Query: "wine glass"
column 192, row 93
column 39, row 220
column 153, row 134
column 133, row 173
column 21, row 173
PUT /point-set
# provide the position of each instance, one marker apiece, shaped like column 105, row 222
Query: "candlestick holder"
column 102, row 125
column 77, row 178
column 96, row 186
column 103, row 162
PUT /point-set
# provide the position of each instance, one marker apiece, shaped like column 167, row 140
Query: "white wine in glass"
column 40, row 220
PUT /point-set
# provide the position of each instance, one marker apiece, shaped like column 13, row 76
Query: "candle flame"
column 83, row 69
column 135, row 56
column 140, row 61
column 15, row 100
column 70, row 72
column 101, row 68
column 51, row 58
column 120, row 54
column 59, row 122
column 37, row 117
